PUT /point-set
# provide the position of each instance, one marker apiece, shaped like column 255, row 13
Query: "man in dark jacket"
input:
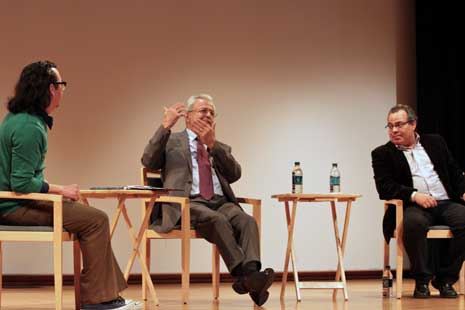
column 203, row 168
column 421, row 172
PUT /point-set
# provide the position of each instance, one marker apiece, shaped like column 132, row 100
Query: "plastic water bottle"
column 297, row 179
column 334, row 179
column 387, row 282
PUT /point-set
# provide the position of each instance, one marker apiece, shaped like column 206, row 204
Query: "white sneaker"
column 117, row 304
column 131, row 305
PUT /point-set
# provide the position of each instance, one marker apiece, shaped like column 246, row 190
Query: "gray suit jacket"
column 170, row 152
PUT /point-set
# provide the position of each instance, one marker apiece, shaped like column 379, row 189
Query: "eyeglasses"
column 399, row 125
column 63, row 83
column 205, row 111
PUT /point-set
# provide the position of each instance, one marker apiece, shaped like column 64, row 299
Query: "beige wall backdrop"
column 304, row 80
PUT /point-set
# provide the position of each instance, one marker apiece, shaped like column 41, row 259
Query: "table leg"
column 294, row 267
column 339, row 249
column 296, row 274
column 135, row 252
column 344, row 239
column 290, row 239
column 131, row 232
column 116, row 217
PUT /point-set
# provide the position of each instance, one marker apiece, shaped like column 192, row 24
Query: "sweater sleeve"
column 28, row 147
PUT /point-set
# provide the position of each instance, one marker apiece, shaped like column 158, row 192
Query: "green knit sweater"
column 23, row 145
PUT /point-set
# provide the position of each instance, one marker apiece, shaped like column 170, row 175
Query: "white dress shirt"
column 425, row 178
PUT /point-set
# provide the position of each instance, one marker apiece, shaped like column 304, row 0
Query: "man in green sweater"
column 23, row 146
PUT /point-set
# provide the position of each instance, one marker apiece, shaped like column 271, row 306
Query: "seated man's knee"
column 415, row 223
column 218, row 219
column 248, row 221
column 100, row 217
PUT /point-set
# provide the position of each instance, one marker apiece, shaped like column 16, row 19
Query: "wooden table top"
column 317, row 197
column 114, row 193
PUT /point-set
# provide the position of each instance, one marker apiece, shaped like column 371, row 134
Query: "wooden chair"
column 435, row 232
column 185, row 233
column 54, row 234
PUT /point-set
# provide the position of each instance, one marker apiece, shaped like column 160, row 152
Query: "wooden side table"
column 332, row 198
column 122, row 196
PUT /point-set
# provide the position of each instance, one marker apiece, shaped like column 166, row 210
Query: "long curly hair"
column 32, row 93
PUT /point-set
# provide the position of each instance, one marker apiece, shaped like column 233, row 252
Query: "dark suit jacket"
column 394, row 180
column 170, row 152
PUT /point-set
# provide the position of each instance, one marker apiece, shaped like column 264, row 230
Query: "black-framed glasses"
column 63, row 83
column 391, row 126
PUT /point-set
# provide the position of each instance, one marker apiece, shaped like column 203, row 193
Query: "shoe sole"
column 421, row 297
column 132, row 305
column 260, row 301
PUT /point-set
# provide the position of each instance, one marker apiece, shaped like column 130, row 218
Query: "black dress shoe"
column 258, row 283
column 445, row 289
column 421, row 290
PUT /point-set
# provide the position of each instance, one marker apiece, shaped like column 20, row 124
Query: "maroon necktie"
column 205, row 172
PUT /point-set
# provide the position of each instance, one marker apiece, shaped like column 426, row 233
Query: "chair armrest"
column 399, row 208
column 57, row 208
column 256, row 209
column 185, row 210
column 31, row 196
column 399, row 214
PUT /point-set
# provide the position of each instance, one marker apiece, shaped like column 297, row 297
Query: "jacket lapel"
column 402, row 163
column 185, row 147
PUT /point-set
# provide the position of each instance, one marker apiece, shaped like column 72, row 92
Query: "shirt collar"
column 406, row 148
column 48, row 120
column 192, row 135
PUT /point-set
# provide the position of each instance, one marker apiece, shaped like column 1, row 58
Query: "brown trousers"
column 101, row 277
column 225, row 224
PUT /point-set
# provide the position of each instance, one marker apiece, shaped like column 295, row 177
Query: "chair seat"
column 32, row 233
column 25, row 228
column 434, row 232
column 439, row 227
column 174, row 234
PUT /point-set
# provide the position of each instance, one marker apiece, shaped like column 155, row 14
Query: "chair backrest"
column 151, row 177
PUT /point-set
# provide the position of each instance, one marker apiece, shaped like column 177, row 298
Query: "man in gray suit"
column 194, row 161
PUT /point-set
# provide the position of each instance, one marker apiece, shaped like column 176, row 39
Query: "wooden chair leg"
column 386, row 255
column 58, row 273
column 77, row 273
column 215, row 271
column 400, row 267
column 1, row 273
column 185, row 256
column 462, row 280
column 146, row 252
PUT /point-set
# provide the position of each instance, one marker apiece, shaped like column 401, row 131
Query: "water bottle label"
column 334, row 181
column 387, row 283
column 297, row 179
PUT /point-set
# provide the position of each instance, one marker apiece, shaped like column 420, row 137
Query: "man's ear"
column 52, row 89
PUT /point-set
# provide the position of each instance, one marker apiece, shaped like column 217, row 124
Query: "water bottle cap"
column 297, row 163
column 334, row 164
